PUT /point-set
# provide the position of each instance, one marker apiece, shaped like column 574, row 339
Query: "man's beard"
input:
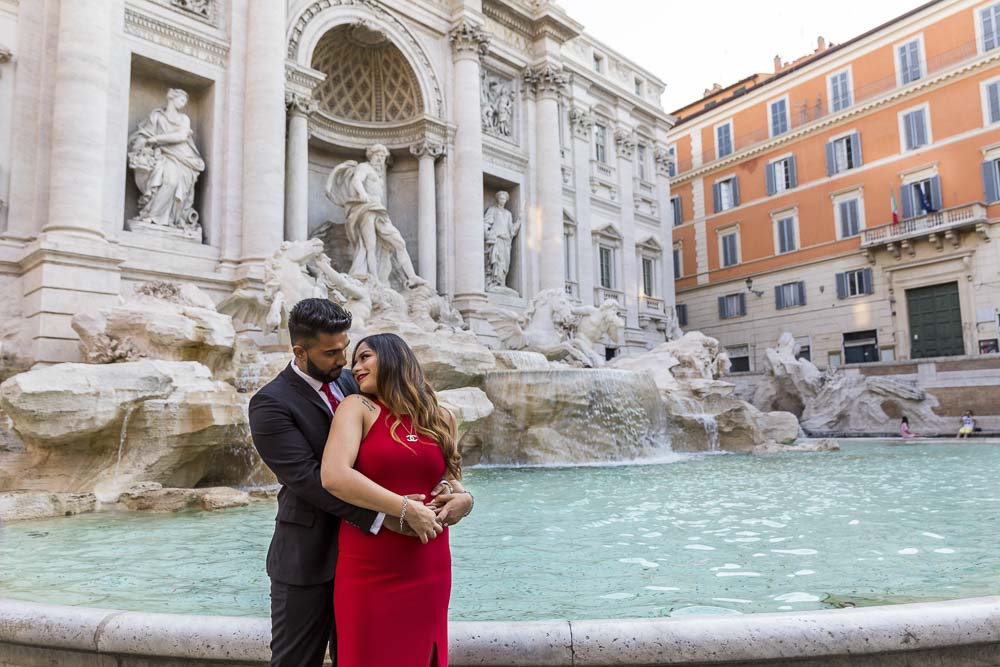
column 313, row 371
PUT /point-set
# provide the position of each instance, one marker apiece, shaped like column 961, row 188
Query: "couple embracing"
column 370, row 481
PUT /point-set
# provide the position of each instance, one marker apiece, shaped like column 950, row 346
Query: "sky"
column 691, row 45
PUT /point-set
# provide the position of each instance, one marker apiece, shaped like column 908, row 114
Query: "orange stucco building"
column 785, row 186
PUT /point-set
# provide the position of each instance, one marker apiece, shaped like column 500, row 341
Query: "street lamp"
column 757, row 292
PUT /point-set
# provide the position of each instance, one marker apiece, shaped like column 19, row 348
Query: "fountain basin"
column 956, row 632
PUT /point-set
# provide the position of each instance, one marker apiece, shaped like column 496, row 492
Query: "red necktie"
column 329, row 395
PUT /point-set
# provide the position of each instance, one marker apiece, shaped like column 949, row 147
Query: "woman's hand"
column 423, row 521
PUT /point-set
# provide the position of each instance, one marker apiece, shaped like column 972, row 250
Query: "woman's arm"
column 341, row 479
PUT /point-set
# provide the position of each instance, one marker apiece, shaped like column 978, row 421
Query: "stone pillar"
column 582, row 123
column 71, row 268
column 264, row 133
column 300, row 108
column 663, row 162
column 469, row 42
column 427, row 152
column 625, row 148
column 547, row 82
column 80, row 119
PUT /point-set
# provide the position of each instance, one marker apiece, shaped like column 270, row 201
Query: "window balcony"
column 650, row 305
column 936, row 227
column 603, row 293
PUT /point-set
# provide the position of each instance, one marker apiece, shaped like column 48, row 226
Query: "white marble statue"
column 287, row 281
column 501, row 228
column 360, row 189
column 166, row 165
column 552, row 327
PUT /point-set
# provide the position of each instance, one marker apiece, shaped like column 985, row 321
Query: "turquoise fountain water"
column 876, row 523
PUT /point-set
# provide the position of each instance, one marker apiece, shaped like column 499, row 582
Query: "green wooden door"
column 935, row 321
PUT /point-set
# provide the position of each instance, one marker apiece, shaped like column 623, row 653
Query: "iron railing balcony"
column 937, row 227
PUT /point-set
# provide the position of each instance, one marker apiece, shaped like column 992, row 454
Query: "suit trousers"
column 302, row 625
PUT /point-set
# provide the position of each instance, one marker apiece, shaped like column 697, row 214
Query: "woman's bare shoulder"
column 360, row 404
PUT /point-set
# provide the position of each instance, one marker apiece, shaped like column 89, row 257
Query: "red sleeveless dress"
column 391, row 592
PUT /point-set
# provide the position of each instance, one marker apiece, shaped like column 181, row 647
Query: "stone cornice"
column 338, row 132
column 175, row 37
column 917, row 88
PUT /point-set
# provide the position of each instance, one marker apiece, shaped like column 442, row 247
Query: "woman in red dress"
column 388, row 448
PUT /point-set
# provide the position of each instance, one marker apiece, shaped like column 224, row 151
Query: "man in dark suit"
column 290, row 421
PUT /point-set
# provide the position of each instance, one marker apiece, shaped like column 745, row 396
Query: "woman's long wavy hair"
column 404, row 390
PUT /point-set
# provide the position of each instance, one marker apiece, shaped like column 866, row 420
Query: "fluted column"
column 625, row 148
column 297, row 167
column 427, row 152
column 264, row 132
column 663, row 163
column 547, row 81
column 80, row 119
column 469, row 42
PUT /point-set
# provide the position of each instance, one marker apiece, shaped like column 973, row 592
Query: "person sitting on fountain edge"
column 290, row 420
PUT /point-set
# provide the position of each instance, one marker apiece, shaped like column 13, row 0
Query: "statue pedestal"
column 192, row 234
column 504, row 295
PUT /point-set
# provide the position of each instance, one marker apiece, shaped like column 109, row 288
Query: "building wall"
column 955, row 68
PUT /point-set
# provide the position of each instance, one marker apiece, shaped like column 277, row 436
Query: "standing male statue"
column 501, row 228
column 360, row 189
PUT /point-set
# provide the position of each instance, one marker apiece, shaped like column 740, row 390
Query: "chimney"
column 777, row 64
column 820, row 44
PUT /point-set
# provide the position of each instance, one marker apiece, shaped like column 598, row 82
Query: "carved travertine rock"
column 161, row 321
column 840, row 402
column 25, row 505
column 90, row 427
column 470, row 405
column 153, row 497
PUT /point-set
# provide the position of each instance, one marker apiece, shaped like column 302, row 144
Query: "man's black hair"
column 311, row 317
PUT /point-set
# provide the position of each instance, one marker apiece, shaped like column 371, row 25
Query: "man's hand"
column 451, row 507
column 392, row 522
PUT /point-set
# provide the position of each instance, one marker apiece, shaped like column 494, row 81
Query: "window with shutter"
column 779, row 117
column 840, row 92
column 991, row 181
column 678, row 268
column 730, row 249
column 724, row 140
column 910, row 67
column 915, row 132
column 726, row 194
column 855, row 283
column 606, row 259
column 677, row 210
column 993, row 102
column 789, row 295
column 647, row 276
column 682, row 314
column 989, row 20
column 850, row 222
column 600, row 143
column 786, row 235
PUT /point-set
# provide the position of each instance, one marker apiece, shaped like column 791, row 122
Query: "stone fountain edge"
column 958, row 631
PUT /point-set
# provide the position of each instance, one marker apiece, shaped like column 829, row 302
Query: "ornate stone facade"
column 501, row 97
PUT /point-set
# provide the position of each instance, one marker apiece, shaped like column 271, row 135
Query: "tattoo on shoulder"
column 368, row 404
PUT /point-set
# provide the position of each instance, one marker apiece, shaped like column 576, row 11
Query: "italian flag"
column 895, row 209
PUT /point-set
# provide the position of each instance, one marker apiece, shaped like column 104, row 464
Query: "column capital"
column 469, row 39
column 624, row 143
column 664, row 161
column 581, row 120
column 299, row 103
column 545, row 79
column 427, row 148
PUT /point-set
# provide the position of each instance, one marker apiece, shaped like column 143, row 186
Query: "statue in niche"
column 166, row 165
column 501, row 228
column 497, row 106
column 360, row 189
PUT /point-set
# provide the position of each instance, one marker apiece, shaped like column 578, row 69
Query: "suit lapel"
column 347, row 383
column 306, row 391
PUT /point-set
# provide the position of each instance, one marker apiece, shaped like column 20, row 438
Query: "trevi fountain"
column 185, row 172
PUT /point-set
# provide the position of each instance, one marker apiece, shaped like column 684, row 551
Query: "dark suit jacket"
column 290, row 424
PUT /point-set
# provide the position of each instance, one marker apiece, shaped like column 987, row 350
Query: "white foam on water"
column 908, row 552
column 934, row 535
column 617, row 596
column 737, row 600
column 796, row 552
column 652, row 535
column 760, row 555
column 785, row 607
column 853, row 522
column 555, row 529
column 802, row 573
column 737, row 574
column 744, row 539
column 727, row 566
column 661, row 588
column 763, row 522
column 747, row 533
column 699, row 547
column 798, row 596
column 778, row 539
column 639, row 561
column 944, row 550
column 508, row 538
